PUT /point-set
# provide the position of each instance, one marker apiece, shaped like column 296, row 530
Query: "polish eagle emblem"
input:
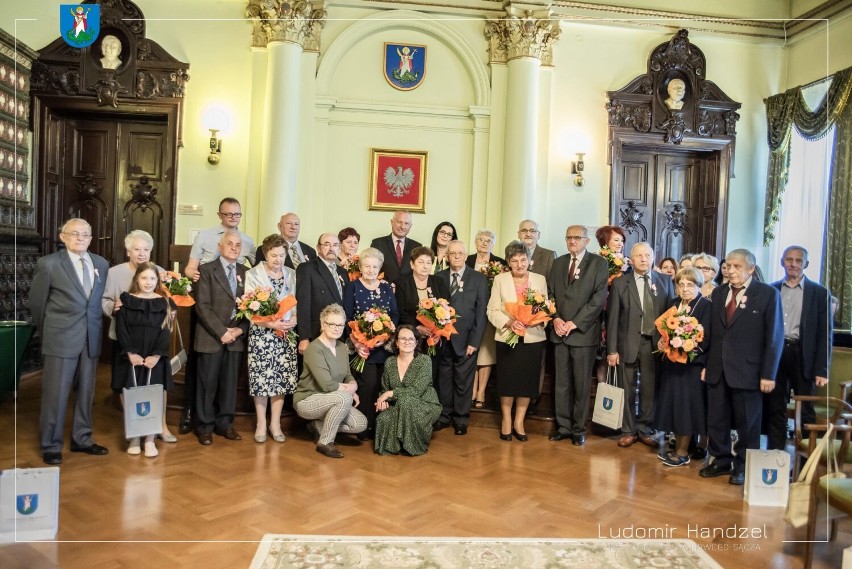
column 398, row 181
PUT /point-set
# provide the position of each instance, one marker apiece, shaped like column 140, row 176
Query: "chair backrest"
column 839, row 413
column 839, row 375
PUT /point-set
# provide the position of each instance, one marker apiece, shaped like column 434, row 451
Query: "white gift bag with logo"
column 29, row 504
column 609, row 402
column 767, row 478
column 143, row 409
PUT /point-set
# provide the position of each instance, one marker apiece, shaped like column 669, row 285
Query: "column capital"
column 522, row 32
column 292, row 21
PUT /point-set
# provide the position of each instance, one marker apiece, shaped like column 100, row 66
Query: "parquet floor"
column 196, row 506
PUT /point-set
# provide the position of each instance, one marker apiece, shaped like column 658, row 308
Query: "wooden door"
column 676, row 222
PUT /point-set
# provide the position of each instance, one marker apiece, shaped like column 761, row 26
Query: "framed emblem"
column 404, row 65
column 79, row 24
column 398, row 180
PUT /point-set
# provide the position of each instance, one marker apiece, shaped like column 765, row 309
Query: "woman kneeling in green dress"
column 408, row 405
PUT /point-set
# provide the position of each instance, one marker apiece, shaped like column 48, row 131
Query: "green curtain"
column 783, row 112
column 837, row 264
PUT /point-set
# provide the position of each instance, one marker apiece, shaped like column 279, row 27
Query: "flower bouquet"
column 618, row 263
column 491, row 270
column 535, row 308
column 262, row 305
column 371, row 328
column 352, row 268
column 681, row 334
column 178, row 288
column 438, row 316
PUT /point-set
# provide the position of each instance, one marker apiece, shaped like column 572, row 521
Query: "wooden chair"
column 836, row 412
column 834, row 492
column 841, row 368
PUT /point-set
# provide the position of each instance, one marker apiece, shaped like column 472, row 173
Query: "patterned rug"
column 278, row 551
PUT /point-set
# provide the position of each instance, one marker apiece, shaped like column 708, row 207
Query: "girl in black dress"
column 143, row 326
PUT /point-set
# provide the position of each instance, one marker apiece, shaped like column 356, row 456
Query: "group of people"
column 604, row 307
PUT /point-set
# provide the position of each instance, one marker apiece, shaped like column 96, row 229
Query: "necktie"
column 571, row 269
column 454, row 285
column 399, row 252
column 232, row 279
column 647, row 308
column 731, row 307
column 294, row 256
column 87, row 278
column 336, row 278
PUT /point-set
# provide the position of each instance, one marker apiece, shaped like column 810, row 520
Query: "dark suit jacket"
column 315, row 289
column 750, row 348
column 815, row 329
column 624, row 313
column 60, row 308
column 214, row 304
column 393, row 271
column 580, row 300
column 542, row 261
column 308, row 251
column 407, row 300
column 470, row 303
column 471, row 260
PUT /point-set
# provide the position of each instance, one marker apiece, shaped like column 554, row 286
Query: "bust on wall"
column 110, row 49
column 676, row 90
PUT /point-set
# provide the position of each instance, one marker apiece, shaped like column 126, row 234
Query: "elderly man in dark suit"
column 457, row 361
column 320, row 282
column 397, row 247
column 219, row 341
column 746, row 340
column 635, row 301
column 577, row 282
column 541, row 258
column 298, row 252
column 806, row 356
column 65, row 299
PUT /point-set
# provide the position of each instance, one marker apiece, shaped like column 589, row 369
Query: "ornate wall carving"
column 299, row 22
column 522, row 33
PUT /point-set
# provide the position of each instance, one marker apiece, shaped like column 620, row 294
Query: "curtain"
column 783, row 112
column 837, row 256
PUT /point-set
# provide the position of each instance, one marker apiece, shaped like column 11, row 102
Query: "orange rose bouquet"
column 262, row 305
column 352, row 268
column 178, row 287
column 534, row 309
column 681, row 334
column 618, row 263
column 371, row 328
column 438, row 316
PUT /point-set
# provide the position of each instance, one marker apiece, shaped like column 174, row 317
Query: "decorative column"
column 287, row 26
column 521, row 40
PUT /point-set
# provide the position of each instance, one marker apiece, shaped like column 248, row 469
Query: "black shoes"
column 523, row 438
column 505, row 436
column 737, row 478
column 700, row 453
column 559, row 436
column 461, row 429
column 439, row 425
column 93, row 449
column 715, row 470
column 578, row 440
column 185, row 424
column 329, row 450
column 52, row 458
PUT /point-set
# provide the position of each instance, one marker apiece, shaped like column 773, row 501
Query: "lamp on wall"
column 215, row 147
column 216, row 120
column 577, row 169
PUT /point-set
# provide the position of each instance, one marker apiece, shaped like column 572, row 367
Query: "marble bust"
column 111, row 49
column 676, row 89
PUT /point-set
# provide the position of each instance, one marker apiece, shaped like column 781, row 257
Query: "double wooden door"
column 669, row 199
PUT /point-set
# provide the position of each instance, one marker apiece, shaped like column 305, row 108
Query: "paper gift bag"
column 767, row 478
column 29, row 504
column 179, row 359
column 143, row 409
column 609, row 402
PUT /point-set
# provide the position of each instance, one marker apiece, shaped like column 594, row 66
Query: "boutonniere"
column 653, row 289
column 743, row 300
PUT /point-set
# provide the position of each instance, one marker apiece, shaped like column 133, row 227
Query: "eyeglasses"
column 456, row 254
column 334, row 324
column 406, row 339
column 527, row 230
column 705, row 269
column 231, row 215
column 574, row 238
column 484, row 239
column 78, row 235
column 686, row 285
column 445, row 233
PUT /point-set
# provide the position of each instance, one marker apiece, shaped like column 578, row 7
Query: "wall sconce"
column 215, row 147
column 577, row 169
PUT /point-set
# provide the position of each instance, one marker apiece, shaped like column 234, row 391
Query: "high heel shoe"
column 280, row 438
column 505, row 437
column 523, row 438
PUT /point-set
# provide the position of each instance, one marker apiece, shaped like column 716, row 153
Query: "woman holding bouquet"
column 681, row 406
column 611, row 239
column 519, row 366
column 491, row 265
column 360, row 296
column 272, row 367
column 408, row 404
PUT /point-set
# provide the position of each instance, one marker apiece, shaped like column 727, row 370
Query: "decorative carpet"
column 279, row 551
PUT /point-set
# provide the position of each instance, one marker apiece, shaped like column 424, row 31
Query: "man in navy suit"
column 65, row 300
column 746, row 339
column 636, row 300
column 396, row 247
column 457, row 361
column 806, row 357
column 319, row 282
column 577, row 282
